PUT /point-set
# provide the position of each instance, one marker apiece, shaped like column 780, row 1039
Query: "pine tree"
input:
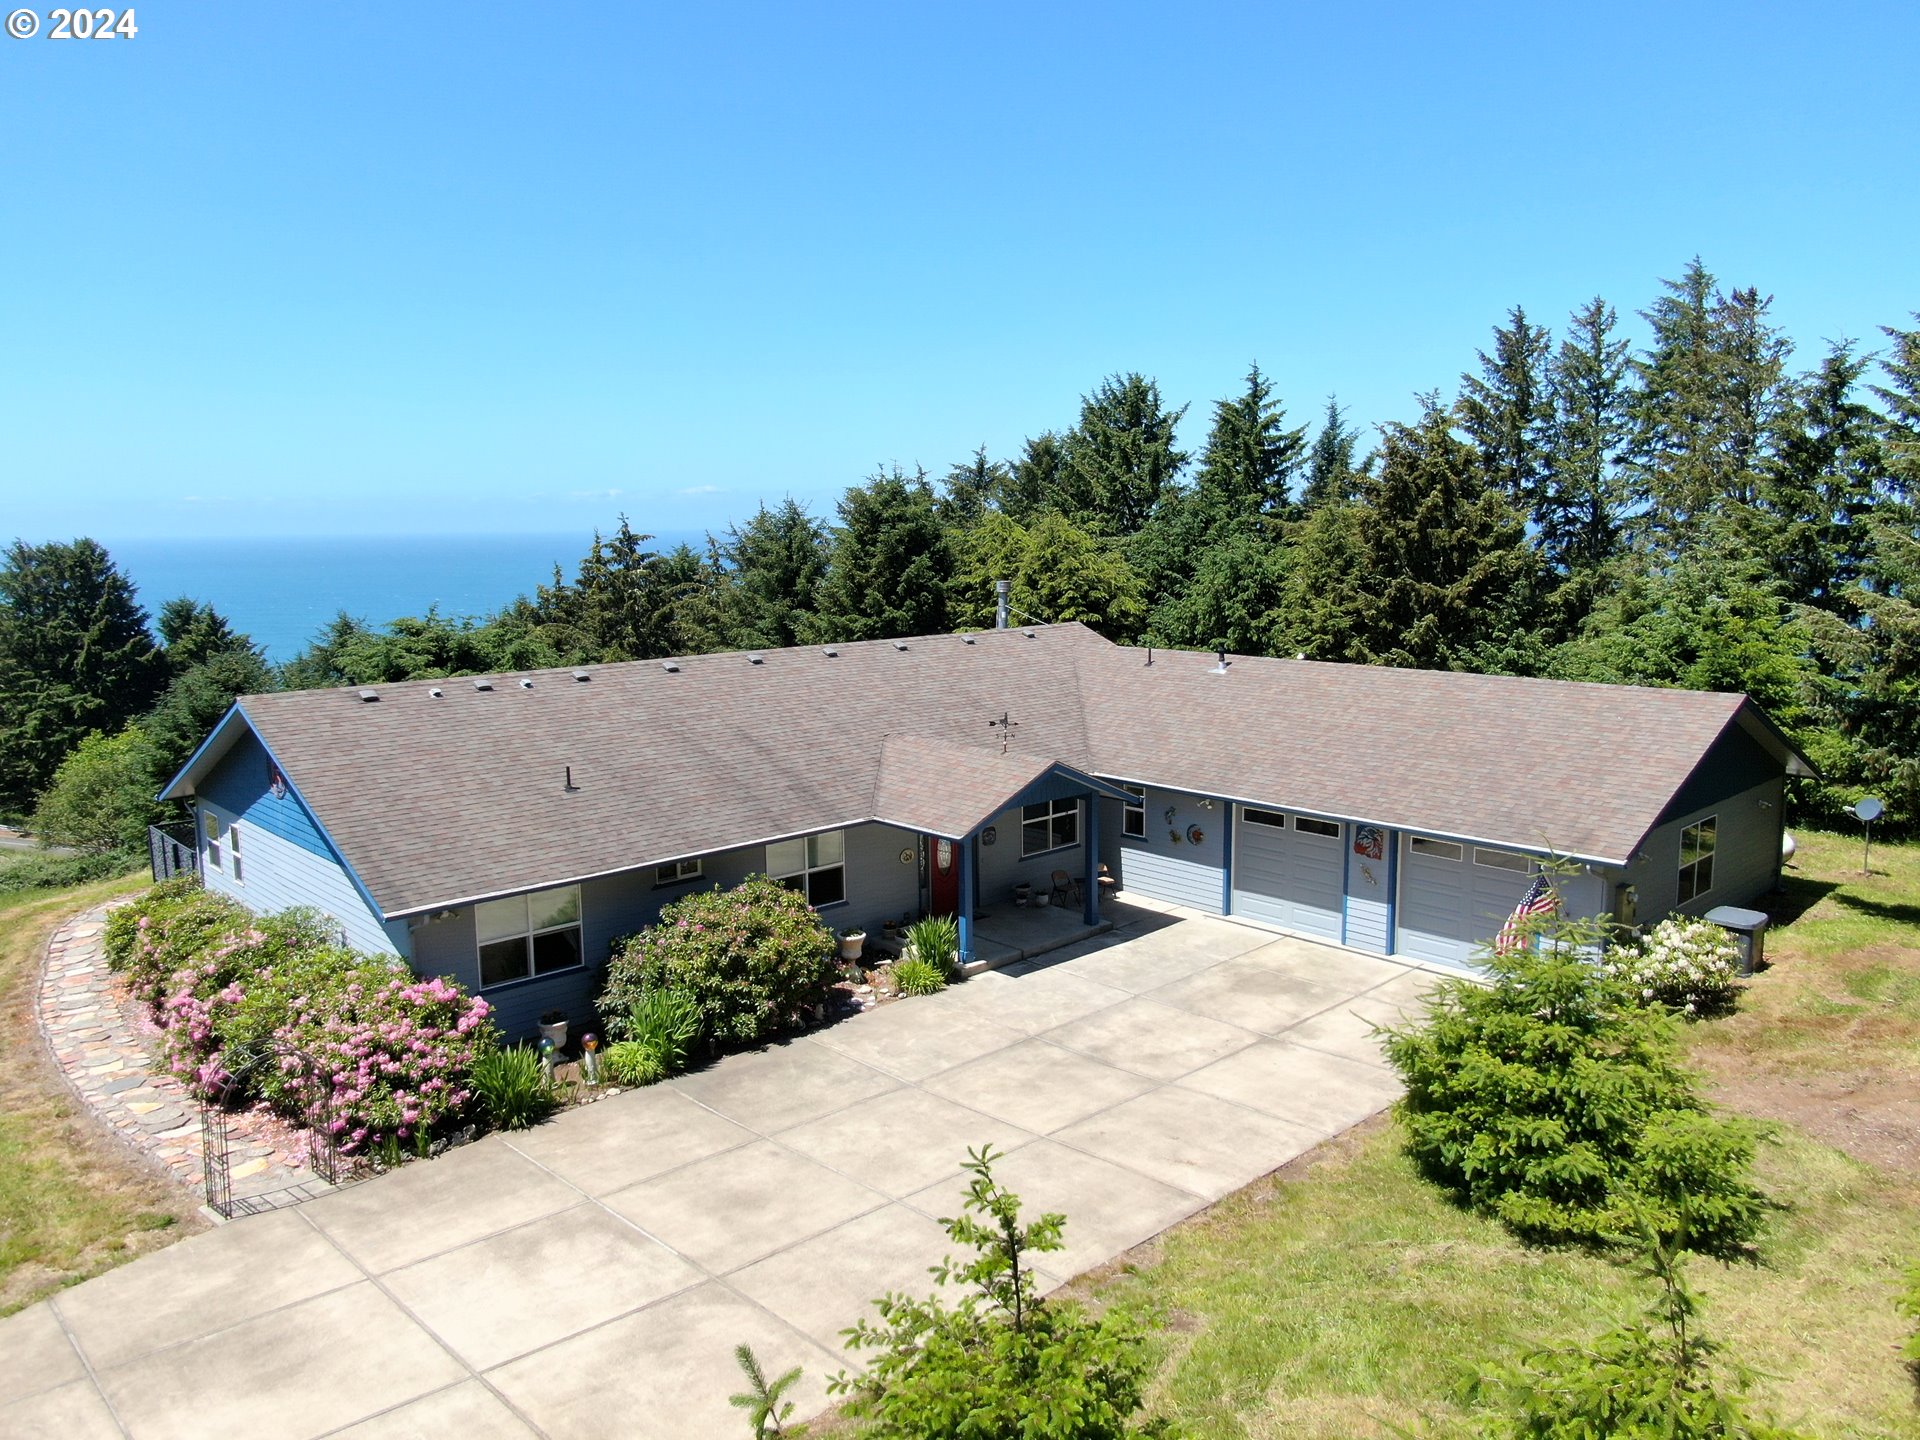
column 1120, row 457
column 1900, row 396
column 889, row 566
column 1331, row 475
column 1034, row 483
column 1326, row 596
column 75, row 656
column 774, row 566
column 1447, row 570
column 1507, row 411
column 1232, row 603
column 1246, row 470
column 1584, row 511
column 1823, row 485
column 193, row 633
column 971, row 488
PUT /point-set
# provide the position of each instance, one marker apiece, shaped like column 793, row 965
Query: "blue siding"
column 1180, row 873
column 277, row 874
column 1002, row 866
column 238, row 787
column 1369, row 918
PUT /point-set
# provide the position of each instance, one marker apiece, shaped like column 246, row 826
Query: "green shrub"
column 513, row 1087
column 1691, row 967
column 1550, row 1099
column 35, row 871
column 1000, row 1360
column 172, row 926
column 101, row 797
column 936, row 940
column 918, row 977
column 754, row 959
column 668, row 1023
column 633, row 1062
column 1658, row 1378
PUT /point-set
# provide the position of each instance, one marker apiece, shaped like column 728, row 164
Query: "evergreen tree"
column 192, row 705
column 775, row 564
column 75, row 656
column 1325, row 594
column 193, row 633
column 1120, row 457
column 1059, row 573
column 889, row 564
column 1900, row 397
column 1035, row 482
column 1507, row 412
column 1584, row 511
column 1233, row 602
column 1819, row 492
column 971, row 488
column 1332, row 477
column 619, row 605
column 1247, row 468
column 1447, row 572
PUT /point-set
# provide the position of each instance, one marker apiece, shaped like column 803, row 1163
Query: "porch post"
column 969, row 902
column 1090, row 886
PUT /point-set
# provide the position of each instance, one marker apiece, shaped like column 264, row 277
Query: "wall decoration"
column 1195, row 835
column 276, row 782
column 989, row 835
column 909, row 855
column 1369, row 841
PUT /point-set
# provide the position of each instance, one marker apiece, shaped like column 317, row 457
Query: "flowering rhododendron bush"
column 1692, row 966
column 389, row 1054
column 754, row 959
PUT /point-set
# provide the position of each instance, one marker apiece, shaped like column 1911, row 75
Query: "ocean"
column 283, row 592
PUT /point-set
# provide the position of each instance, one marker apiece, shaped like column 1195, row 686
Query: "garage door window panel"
column 1501, row 860
column 1436, row 849
column 1271, row 818
column 1307, row 825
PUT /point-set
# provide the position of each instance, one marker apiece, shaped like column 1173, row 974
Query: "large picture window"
column 1133, row 818
column 1050, row 825
column 1696, row 858
column 815, row 866
column 535, row 934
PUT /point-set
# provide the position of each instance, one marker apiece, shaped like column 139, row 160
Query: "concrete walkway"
column 593, row 1275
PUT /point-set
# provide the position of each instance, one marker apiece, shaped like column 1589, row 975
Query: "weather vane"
column 1006, row 725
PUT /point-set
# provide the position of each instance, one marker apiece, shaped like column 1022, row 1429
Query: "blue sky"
column 342, row 268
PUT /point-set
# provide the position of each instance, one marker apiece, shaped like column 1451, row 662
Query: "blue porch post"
column 1090, row 887
column 969, row 901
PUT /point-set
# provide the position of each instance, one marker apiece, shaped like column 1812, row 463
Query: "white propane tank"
column 1787, row 847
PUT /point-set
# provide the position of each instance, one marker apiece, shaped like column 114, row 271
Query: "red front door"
column 945, row 868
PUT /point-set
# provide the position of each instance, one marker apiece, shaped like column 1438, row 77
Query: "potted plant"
column 851, row 942
column 553, row 1026
column 1023, row 893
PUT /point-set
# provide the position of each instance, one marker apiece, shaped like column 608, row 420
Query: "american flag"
column 1541, row 899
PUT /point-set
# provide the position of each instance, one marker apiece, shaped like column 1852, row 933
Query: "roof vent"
column 483, row 684
column 899, row 644
column 525, row 683
column 831, row 653
column 435, row 691
column 1221, row 668
column 368, row 695
column 966, row 639
column 1029, row 633
column 672, row 667
column 756, row 659
column 581, row 675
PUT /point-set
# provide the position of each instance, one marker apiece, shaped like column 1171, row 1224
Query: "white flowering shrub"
column 1691, row 966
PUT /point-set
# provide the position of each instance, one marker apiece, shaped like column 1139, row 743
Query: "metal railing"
column 169, row 855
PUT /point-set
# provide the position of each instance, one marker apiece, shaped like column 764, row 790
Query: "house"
column 506, row 830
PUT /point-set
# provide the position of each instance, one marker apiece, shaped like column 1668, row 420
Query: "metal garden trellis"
column 323, row 1147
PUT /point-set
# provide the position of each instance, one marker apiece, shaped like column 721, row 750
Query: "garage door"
column 1287, row 871
column 1454, row 897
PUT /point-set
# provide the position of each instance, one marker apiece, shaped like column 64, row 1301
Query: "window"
column 1265, row 817
column 1133, row 819
column 1696, row 858
column 815, row 866
column 211, row 827
column 676, row 873
column 1501, row 860
column 233, row 850
column 535, row 934
column 1439, row 849
column 1308, row 825
column 1050, row 825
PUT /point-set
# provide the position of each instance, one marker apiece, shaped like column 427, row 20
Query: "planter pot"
column 851, row 945
column 557, row 1033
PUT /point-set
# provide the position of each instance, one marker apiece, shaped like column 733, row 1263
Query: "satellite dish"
column 1869, row 810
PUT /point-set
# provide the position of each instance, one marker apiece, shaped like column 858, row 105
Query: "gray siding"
column 1370, row 885
column 879, row 887
column 1183, row 873
column 1746, row 860
column 278, row 874
column 1002, row 866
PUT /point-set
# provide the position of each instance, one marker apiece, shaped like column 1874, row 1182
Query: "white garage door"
column 1454, row 897
column 1287, row 870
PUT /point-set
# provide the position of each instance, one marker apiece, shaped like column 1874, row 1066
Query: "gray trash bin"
column 1748, row 927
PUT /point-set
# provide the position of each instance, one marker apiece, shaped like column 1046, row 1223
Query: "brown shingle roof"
column 440, row 800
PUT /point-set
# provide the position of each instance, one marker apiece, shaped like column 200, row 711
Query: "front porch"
column 1006, row 934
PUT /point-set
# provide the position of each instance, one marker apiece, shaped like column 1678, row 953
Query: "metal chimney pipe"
column 1002, row 590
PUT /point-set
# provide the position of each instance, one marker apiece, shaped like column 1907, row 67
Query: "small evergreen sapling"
column 763, row 1399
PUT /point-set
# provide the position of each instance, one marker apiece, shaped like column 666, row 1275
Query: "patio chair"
column 1066, row 889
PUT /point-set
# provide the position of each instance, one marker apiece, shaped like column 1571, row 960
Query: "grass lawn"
column 1345, row 1295
column 73, row 1200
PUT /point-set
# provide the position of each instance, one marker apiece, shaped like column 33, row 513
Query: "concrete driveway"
column 593, row 1275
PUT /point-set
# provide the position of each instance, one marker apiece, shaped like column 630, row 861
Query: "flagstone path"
column 103, row 1044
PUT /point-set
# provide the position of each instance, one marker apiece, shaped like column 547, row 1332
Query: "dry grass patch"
column 74, row 1200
